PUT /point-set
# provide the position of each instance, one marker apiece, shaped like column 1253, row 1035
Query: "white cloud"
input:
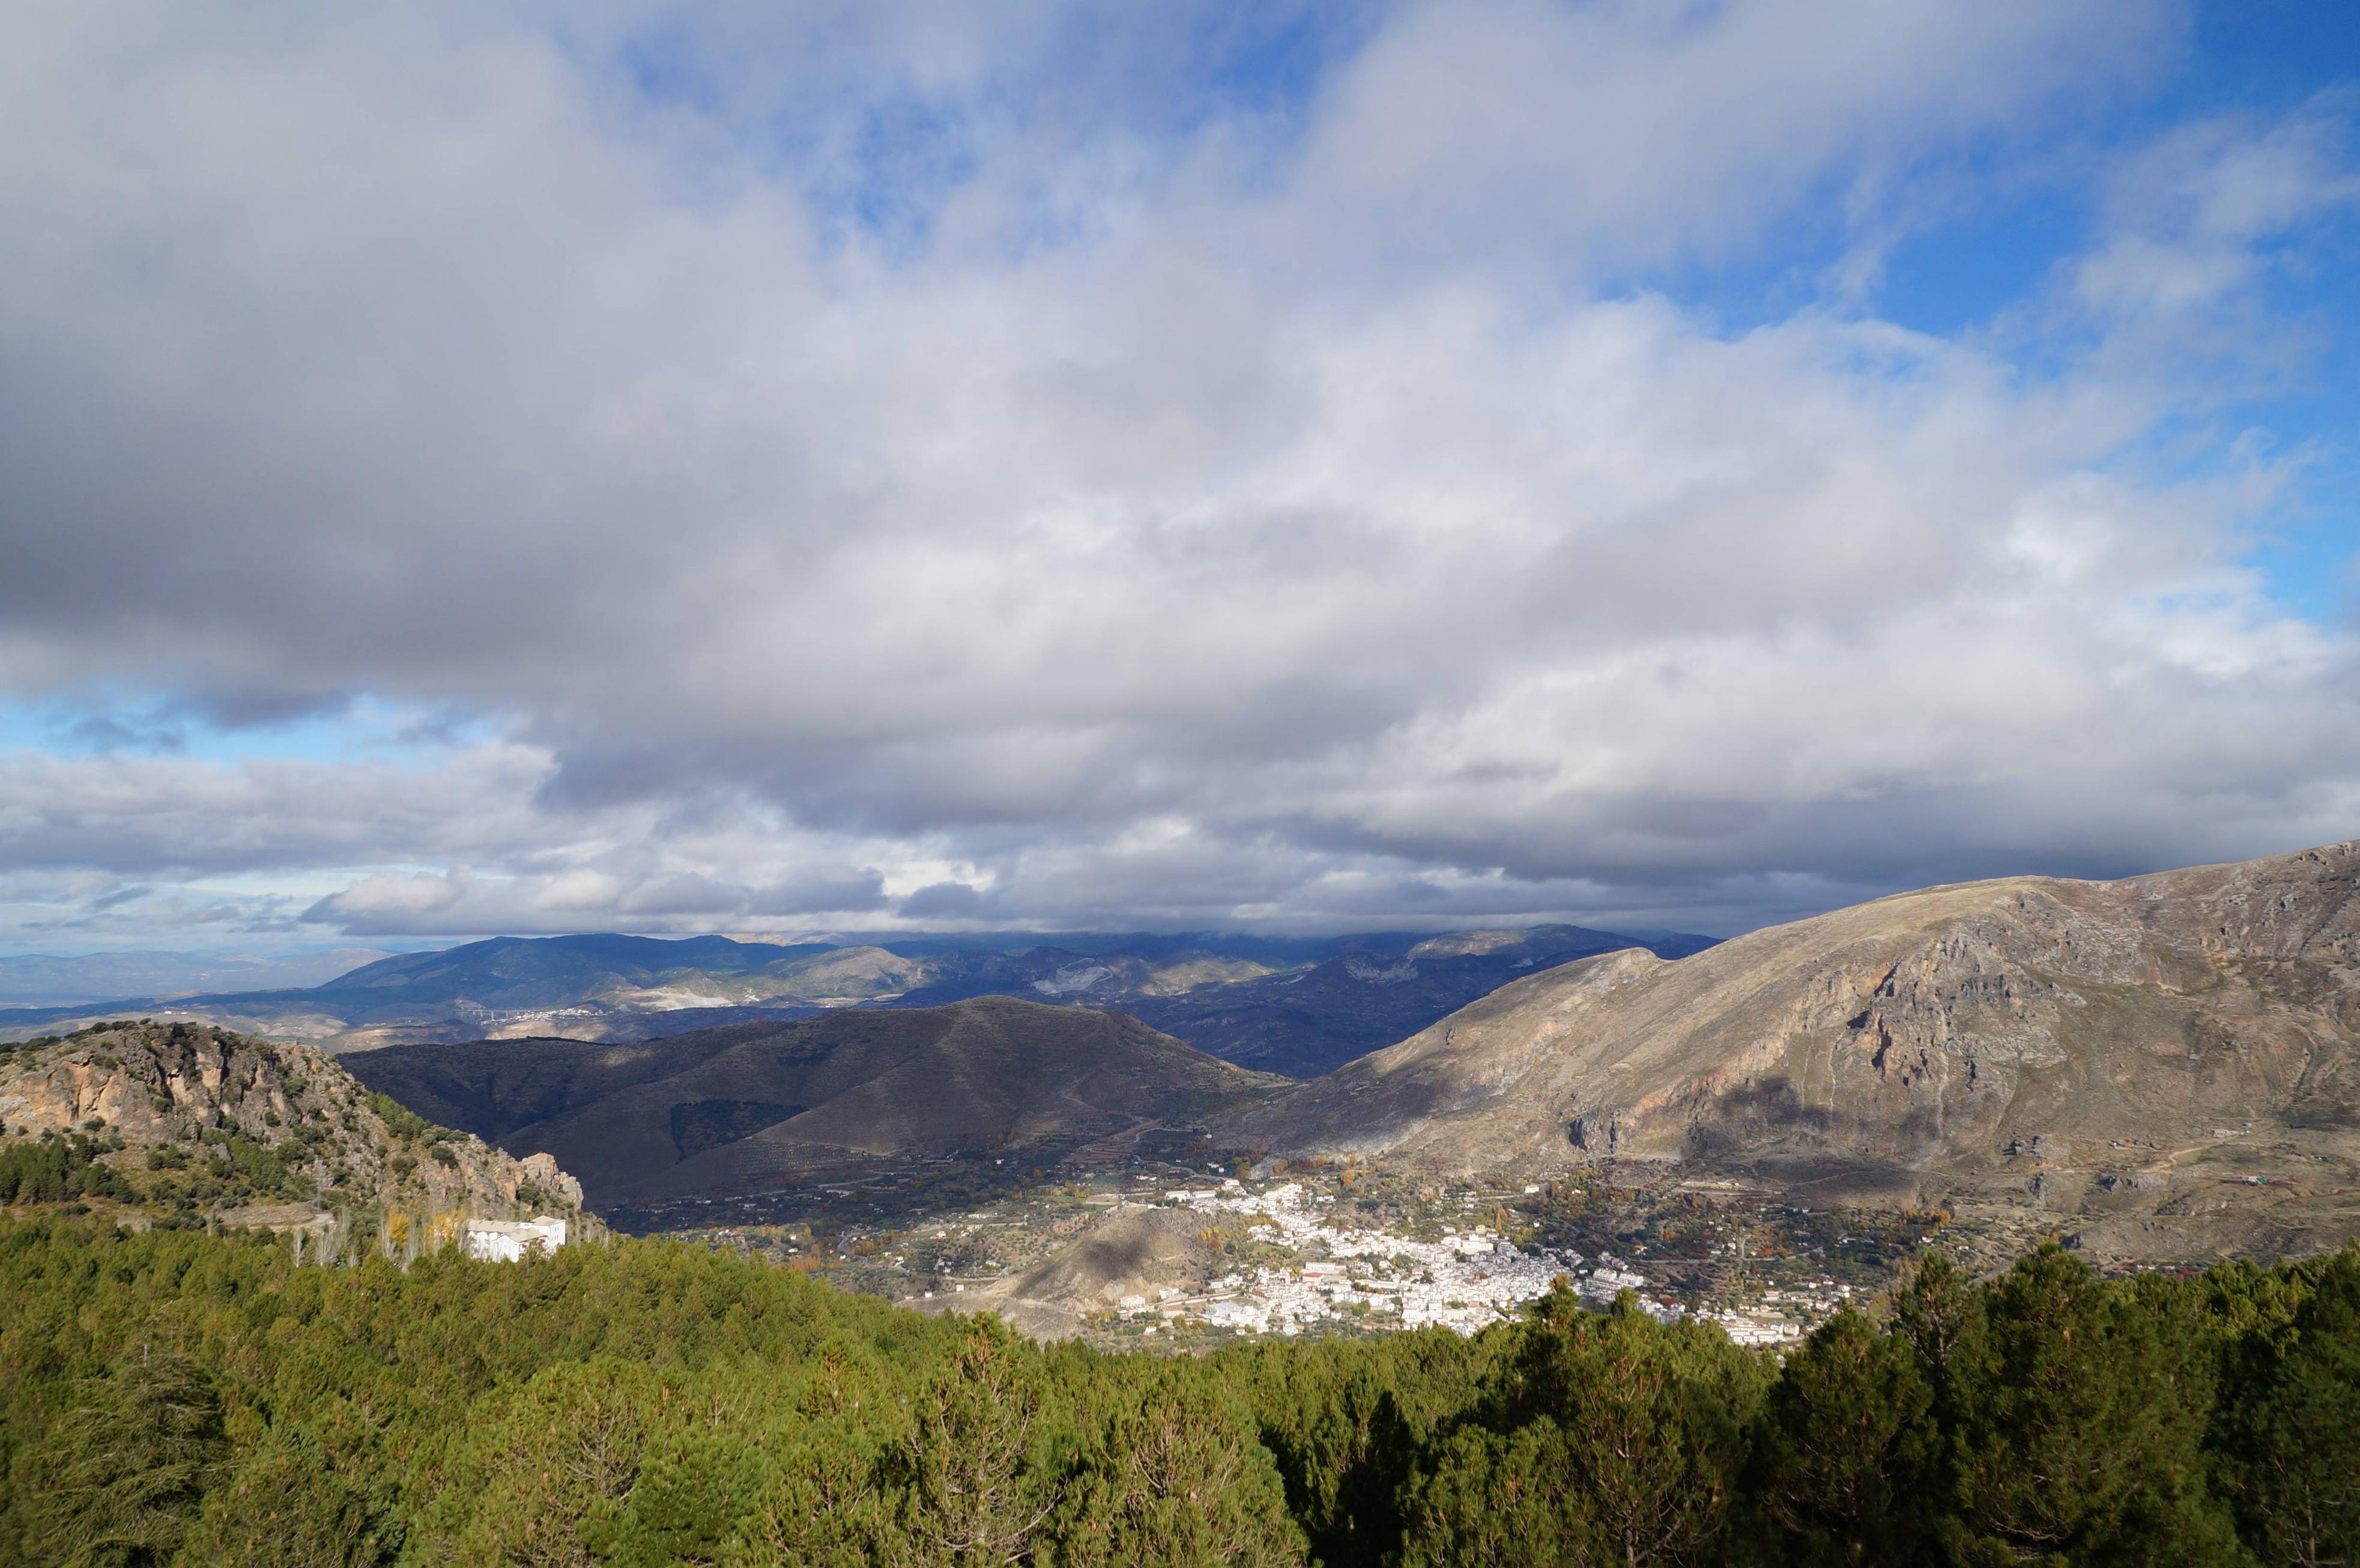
column 1263, row 521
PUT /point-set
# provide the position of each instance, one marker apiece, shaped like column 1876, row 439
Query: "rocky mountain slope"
column 2138, row 1052
column 177, row 1124
column 748, row 1105
column 1295, row 1006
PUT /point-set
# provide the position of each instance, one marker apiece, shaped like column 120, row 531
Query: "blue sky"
column 1300, row 466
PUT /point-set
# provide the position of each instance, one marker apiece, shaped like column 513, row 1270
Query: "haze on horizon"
column 1295, row 466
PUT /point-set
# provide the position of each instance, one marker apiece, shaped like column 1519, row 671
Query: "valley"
column 2156, row 1073
column 1186, row 1256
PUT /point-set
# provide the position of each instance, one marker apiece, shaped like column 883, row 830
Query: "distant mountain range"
column 1294, row 1006
column 2162, row 1067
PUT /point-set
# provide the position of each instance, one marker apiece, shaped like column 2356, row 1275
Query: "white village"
column 1467, row 1279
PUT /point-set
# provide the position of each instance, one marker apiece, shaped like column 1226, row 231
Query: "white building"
column 508, row 1240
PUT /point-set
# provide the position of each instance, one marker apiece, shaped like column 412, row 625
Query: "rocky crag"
column 181, row 1124
column 2166, row 1065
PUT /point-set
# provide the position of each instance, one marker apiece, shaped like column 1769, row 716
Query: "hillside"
column 2166, row 1055
column 1310, row 1021
column 1295, row 1006
column 749, row 1105
column 193, row 1127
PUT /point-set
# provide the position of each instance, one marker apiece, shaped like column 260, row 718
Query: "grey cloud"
column 944, row 901
column 1130, row 532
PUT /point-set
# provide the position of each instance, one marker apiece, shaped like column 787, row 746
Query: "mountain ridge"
column 2074, row 1045
column 759, row 1104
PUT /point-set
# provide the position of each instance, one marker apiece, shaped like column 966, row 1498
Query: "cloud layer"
column 846, row 463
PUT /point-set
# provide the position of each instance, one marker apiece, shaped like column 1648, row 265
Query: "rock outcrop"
column 206, row 1125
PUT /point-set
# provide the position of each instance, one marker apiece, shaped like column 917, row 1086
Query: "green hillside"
column 174, row 1399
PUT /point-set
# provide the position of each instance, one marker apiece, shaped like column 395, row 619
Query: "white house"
column 508, row 1241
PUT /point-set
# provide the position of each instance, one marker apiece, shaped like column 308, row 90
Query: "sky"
column 1280, row 465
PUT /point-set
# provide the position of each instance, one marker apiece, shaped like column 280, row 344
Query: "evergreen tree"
column 1641, row 1454
column 2293, row 1439
column 977, row 1484
column 1180, row 1483
column 291, row 1503
column 1333, row 1422
column 1512, row 1501
column 128, row 1469
column 544, row 1472
column 2078, row 1413
column 823, row 1505
column 1844, row 1456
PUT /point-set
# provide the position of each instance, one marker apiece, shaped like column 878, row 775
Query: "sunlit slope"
column 2023, row 1024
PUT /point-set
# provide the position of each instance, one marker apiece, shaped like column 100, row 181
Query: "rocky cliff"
column 187, row 1124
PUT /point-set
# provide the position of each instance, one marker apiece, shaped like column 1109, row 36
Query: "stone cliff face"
column 206, row 1122
column 1991, row 1028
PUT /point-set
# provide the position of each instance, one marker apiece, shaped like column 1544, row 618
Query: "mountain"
column 2144, row 1052
column 1314, row 1020
column 744, row 1106
column 1291, row 1006
column 182, row 1125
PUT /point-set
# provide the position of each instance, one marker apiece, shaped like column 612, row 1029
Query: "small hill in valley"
column 2166, row 1063
column 1135, row 1252
column 755, row 1104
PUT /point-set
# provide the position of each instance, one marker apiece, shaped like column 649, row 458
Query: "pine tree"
column 2080, row 1411
column 1844, row 1455
column 976, row 1487
column 129, row 1468
column 2293, row 1441
column 1512, row 1501
column 290, row 1504
column 1629, row 1434
column 1181, row 1483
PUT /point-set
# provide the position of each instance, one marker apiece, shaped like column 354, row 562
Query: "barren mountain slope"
column 2033, row 1029
column 739, row 1107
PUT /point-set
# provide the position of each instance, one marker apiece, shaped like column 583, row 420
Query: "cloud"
column 826, row 461
column 944, row 901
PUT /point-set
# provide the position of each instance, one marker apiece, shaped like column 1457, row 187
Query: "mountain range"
column 1294, row 1006
column 2167, row 1066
